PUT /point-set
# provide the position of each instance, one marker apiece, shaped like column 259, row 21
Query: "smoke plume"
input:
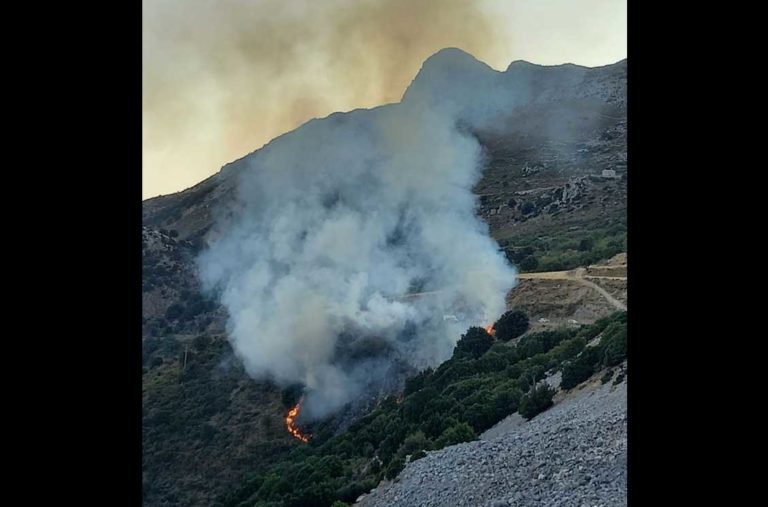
column 223, row 77
column 339, row 222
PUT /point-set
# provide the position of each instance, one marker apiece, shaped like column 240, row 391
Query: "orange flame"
column 292, row 429
column 489, row 329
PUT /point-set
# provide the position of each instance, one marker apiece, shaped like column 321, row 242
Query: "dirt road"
column 578, row 275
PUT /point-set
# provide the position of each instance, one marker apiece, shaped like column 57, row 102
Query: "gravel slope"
column 574, row 454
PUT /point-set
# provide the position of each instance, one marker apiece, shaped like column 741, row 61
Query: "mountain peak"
column 441, row 71
column 449, row 61
column 450, row 56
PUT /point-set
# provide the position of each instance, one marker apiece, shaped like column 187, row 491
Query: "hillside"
column 485, row 380
column 209, row 430
column 572, row 454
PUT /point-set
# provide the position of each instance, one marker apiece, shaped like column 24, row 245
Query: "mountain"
column 586, row 101
column 207, row 425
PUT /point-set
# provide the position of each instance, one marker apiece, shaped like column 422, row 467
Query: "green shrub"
column 474, row 343
column 567, row 349
column 394, row 468
column 456, row 434
column 614, row 344
column 415, row 442
column 537, row 401
column 541, row 342
column 418, row 455
column 528, row 263
column 581, row 368
column 511, row 325
column 416, row 382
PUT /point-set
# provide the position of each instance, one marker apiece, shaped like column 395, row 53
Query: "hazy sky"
column 223, row 77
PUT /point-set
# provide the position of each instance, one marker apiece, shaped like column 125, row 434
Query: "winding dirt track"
column 578, row 275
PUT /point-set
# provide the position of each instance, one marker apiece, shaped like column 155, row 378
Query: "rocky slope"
column 574, row 454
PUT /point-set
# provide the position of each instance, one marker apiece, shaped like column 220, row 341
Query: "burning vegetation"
column 290, row 425
column 485, row 380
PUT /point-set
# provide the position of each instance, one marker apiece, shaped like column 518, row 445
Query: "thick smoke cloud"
column 338, row 221
column 224, row 77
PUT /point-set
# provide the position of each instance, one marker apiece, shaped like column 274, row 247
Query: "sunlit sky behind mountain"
column 223, row 77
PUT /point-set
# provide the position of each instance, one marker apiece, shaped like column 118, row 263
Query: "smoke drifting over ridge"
column 338, row 220
column 223, row 77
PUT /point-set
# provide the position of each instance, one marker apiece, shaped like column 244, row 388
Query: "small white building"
column 609, row 173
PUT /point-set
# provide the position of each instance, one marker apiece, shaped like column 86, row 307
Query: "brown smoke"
column 221, row 78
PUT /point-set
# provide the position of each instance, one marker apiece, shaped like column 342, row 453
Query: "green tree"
column 511, row 325
column 586, row 244
column 394, row 468
column 474, row 343
column 536, row 401
column 456, row 434
column 528, row 263
column 581, row 368
column 614, row 344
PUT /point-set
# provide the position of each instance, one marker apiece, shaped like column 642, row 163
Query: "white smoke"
column 335, row 222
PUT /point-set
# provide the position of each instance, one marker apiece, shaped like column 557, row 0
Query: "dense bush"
column 542, row 342
column 528, row 208
column 536, row 401
column 416, row 382
column 394, row 468
column 609, row 351
column 511, row 325
column 569, row 249
column 456, row 434
column 528, row 263
column 614, row 344
column 581, row 368
column 474, row 343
